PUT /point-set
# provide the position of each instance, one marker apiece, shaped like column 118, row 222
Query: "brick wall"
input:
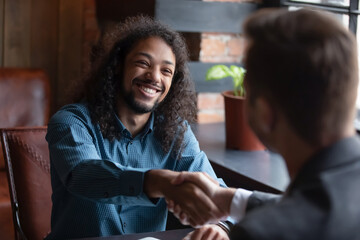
column 217, row 47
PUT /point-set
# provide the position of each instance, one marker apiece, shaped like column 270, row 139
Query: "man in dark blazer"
column 301, row 85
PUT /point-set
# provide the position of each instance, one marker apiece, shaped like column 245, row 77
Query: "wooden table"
column 253, row 170
column 166, row 235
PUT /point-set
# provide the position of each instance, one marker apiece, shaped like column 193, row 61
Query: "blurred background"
column 57, row 35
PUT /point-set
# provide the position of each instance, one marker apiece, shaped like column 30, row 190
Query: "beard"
column 136, row 106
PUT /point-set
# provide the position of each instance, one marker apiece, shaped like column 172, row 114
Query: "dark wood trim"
column 44, row 38
column 113, row 11
column 198, row 16
column 2, row 16
column 70, row 46
column 17, row 31
column 198, row 72
column 271, row 3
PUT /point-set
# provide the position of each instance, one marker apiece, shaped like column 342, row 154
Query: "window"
column 346, row 10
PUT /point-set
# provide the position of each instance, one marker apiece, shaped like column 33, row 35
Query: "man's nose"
column 154, row 74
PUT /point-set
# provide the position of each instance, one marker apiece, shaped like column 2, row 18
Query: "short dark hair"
column 101, row 87
column 304, row 62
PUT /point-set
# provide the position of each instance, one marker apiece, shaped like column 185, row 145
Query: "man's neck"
column 297, row 152
column 133, row 122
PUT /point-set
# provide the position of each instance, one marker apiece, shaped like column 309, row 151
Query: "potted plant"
column 238, row 133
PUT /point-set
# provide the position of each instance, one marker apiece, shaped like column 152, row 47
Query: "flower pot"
column 239, row 135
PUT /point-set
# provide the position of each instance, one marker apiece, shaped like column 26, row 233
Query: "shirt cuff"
column 239, row 203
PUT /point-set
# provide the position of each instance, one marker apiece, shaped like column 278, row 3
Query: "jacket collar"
column 342, row 152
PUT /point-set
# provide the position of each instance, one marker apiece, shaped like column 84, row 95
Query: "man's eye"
column 144, row 63
column 167, row 71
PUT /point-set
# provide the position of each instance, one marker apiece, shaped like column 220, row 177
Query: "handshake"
column 199, row 199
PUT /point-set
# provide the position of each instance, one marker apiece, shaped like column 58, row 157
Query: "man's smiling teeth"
column 148, row 90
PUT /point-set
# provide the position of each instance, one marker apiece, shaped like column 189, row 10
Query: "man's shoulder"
column 276, row 221
column 308, row 212
column 72, row 113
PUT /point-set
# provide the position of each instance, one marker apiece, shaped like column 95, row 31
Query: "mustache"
column 148, row 82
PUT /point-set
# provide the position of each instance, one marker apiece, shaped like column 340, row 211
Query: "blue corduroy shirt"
column 98, row 184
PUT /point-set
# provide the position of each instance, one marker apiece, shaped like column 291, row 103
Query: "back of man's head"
column 305, row 63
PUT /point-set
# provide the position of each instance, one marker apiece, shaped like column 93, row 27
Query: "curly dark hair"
column 101, row 86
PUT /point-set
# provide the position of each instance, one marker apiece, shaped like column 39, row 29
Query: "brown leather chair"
column 27, row 162
column 24, row 101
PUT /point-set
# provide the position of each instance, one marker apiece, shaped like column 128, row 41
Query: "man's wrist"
column 223, row 199
column 156, row 181
column 150, row 183
column 225, row 225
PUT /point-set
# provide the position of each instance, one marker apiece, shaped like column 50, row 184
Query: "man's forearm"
column 194, row 201
column 157, row 181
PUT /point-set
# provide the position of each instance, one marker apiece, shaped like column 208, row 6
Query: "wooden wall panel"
column 44, row 37
column 17, row 24
column 1, row 32
column 117, row 10
column 70, row 45
column 44, row 34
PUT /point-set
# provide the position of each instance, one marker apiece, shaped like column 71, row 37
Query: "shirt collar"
column 147, row 129
column 149, row 125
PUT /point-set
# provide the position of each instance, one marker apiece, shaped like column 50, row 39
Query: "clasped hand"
column 199, row 199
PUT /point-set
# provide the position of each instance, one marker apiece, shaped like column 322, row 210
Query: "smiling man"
column 116, row 148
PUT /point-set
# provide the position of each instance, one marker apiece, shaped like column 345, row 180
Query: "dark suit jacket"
column 323, row 201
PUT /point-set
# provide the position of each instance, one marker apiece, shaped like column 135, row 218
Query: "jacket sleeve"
column 257, row 199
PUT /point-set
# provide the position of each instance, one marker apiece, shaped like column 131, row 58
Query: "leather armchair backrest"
column 24, row 99
column 27, row 161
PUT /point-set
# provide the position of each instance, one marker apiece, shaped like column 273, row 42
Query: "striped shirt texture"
column 98, row 184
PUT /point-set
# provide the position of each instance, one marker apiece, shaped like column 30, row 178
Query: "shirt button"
column 131, row 142
column 124, row 224
column 131, row 190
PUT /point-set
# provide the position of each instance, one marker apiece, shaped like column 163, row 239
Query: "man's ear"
column 266, row 114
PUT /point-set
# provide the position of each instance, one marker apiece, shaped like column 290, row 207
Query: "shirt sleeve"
column 78, row 164
column 239, row 203
column 193, row 159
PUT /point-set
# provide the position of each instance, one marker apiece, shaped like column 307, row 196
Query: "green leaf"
column 237, row 83
column 236, row 73
column 236, row 70
column 218, row 72
column 238, row 79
